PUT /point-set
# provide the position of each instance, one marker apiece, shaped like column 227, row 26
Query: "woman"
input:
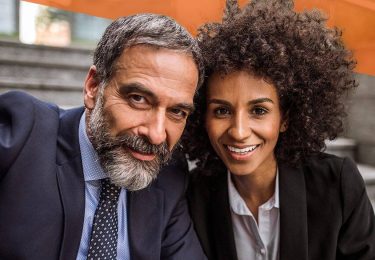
column 262, row 188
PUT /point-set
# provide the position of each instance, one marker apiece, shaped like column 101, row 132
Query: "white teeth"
column 242, row 150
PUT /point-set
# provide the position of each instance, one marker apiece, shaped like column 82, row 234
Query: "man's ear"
column 91, row 88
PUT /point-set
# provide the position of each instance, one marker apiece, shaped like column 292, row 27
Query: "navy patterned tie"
column 103, row 242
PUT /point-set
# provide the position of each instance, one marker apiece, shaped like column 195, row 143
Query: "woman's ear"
column 91, row 88
column 284, row 122
column 284, row 126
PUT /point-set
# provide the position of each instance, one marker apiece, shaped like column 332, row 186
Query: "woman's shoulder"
column 327, row 172
column 324, row 163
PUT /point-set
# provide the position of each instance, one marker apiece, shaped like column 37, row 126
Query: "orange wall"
column 355, row 17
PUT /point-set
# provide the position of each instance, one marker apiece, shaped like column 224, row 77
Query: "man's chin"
column 131, row 173
column 134, row 181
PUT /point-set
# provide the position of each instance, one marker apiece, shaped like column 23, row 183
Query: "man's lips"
column 141, row 156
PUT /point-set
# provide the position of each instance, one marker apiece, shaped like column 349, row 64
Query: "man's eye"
column 137, row 98
column 179, row 113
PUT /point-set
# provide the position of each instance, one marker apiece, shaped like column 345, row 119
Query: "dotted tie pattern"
column 103, row 243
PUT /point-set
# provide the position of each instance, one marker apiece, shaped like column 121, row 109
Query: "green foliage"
column 50, row 15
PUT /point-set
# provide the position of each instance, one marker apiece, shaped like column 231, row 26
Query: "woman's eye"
column 221, row 111
column 259, row 111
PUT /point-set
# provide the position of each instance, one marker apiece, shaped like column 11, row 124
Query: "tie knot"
column 109, row 191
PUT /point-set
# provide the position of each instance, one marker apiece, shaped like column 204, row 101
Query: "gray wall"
column 361, row 119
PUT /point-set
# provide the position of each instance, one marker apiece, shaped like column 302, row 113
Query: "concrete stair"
column 53, row 74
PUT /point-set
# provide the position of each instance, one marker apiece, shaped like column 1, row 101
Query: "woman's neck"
column 256, row 189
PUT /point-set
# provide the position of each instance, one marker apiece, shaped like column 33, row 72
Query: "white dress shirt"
column 258, row 241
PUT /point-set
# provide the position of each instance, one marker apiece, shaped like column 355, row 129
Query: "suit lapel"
column 293, row 214
column 221, row 220
column 72, row 192
column 145, row 226
column 71, row 183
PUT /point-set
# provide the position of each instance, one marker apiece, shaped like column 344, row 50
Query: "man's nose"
column 154, row 129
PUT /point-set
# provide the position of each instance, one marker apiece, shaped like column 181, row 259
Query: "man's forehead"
column 146, row 62
column 149, row 55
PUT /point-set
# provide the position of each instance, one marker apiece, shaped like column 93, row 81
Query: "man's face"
column 138, row 119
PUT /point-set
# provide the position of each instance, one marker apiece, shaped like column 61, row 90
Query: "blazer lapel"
column 293, row 214
column 72, row 192
column 145, row 222
column 221, row 220
column 71, row 183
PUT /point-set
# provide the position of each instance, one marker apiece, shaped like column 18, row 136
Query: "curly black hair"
column 304, row 59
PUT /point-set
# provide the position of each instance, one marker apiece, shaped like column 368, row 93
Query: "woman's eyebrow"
column 260, row 100
column 218, row 101
column 251, row 102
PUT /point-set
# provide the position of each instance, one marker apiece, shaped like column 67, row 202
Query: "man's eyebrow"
column 136, row 87
column 185, row 106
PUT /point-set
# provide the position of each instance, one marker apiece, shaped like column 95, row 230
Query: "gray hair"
column 151, row 29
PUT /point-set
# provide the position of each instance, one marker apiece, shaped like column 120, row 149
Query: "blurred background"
column 47, row 52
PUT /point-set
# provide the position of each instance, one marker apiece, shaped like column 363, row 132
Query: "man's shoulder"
column 22, row 114
column 18, row 103
column 26, row 124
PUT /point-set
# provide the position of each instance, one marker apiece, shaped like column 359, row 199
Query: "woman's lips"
column 242, row 153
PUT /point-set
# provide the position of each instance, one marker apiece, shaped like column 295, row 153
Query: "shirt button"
column 262, row 251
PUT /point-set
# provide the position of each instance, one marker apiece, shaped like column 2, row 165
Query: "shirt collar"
column 92, row 169
column 238, row 204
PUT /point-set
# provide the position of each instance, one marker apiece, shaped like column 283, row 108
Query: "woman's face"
column 243, row 122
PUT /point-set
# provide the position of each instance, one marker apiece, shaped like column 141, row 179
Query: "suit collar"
column 222, row 222
column 71, row 182
column 293, row 213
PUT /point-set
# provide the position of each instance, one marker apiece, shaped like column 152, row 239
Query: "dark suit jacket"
column 325, row 212
column 42, row 191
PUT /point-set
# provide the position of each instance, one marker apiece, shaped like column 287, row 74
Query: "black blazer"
column 42, row 191
column 325, row 212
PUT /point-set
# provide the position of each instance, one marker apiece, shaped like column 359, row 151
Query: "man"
column 84, row 183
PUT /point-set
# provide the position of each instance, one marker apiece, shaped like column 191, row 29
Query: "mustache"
column 139, row 144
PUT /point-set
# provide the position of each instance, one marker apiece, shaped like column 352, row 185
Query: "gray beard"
column 120, row 166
